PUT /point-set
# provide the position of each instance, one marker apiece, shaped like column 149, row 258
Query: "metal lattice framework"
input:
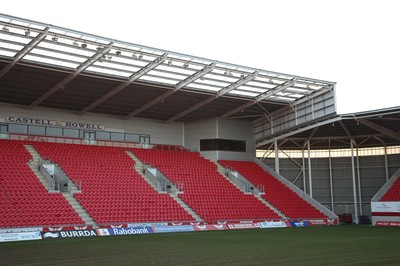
column 31, row 42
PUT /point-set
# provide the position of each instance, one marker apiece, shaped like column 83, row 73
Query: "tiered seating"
column 278, row 194
column 206, row 191
column 112, row 191
column 393, row 194
column 24, row 202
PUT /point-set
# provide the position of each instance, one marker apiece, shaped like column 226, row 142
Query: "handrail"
column 161, row 186
column 53, row 184
column 162, row 183
column 73, row 186
column 245, row 185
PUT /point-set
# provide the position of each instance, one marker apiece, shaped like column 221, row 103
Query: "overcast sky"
column 354, row 43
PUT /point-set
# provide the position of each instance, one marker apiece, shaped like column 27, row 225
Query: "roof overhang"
column 141, row 78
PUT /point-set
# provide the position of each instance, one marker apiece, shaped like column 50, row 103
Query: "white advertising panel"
column 385, row 206
column 7, row 237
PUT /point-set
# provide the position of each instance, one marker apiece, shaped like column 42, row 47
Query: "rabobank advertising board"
column 125, row 231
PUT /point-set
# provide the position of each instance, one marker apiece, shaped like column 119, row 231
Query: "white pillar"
column 359, row 183
column 183, row 134
column 276, row 156
column 354, row 182
column 330, row 179
column 309, row 169
column 304, row 172
column 386, row 165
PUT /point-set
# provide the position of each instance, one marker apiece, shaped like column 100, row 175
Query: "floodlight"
column 118, row 52
column 83, row 45
column 27, row 33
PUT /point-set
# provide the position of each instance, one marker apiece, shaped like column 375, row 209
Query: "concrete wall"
column 159, row 131
column 223, row 129
column 237, row 130
column 177, row 133
column 372, row 178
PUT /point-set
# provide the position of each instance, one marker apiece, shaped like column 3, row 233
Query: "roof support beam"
column 71, row 76
column 390, row 133
column 213, row 97
column 166, row 94
column 312, row 133
column 259, row 98
column 347, row 132
column 122, row 86
column 294, row 132
column 24, row 51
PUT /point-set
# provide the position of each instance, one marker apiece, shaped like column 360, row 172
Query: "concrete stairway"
column 186, row 207
column 270, row 206
column 79, row 209
column 139, row 168
column 34, row 165
column 221, row 170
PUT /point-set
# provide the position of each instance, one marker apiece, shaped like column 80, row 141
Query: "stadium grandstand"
column 101, row 132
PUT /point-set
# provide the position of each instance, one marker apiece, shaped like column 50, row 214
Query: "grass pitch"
column 333, row 245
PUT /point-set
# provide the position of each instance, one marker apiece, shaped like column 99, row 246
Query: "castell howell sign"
column 54, row 123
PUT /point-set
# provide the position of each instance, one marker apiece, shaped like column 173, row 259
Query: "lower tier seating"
column 276, row 193
column 206, row 191
column 112, row 190
column 24, row 201
column 393, row 194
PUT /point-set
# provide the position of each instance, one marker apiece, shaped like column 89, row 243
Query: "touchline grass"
column 333, row 245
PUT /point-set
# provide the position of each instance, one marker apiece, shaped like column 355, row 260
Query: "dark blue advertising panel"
column 69, row 234
column 299, row 223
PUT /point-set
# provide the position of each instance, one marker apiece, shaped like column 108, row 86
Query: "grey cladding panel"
column 295, row 115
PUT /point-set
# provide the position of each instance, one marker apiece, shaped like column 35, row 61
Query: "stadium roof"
column 50, row 66
column 376, row 128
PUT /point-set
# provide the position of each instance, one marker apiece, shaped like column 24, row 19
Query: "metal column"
column 331, row 179
column 386, row 165
column 359, row 182
column 304, row 172
column 276, row 156
column 354, row 182
column 309, row 168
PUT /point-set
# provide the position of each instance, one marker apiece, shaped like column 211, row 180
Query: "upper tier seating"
column 206, row 191
column 112, row 191
column 24, row 202
column 393, row 194
column 276, row 193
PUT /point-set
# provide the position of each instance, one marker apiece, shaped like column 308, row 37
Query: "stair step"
column 79, row 209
